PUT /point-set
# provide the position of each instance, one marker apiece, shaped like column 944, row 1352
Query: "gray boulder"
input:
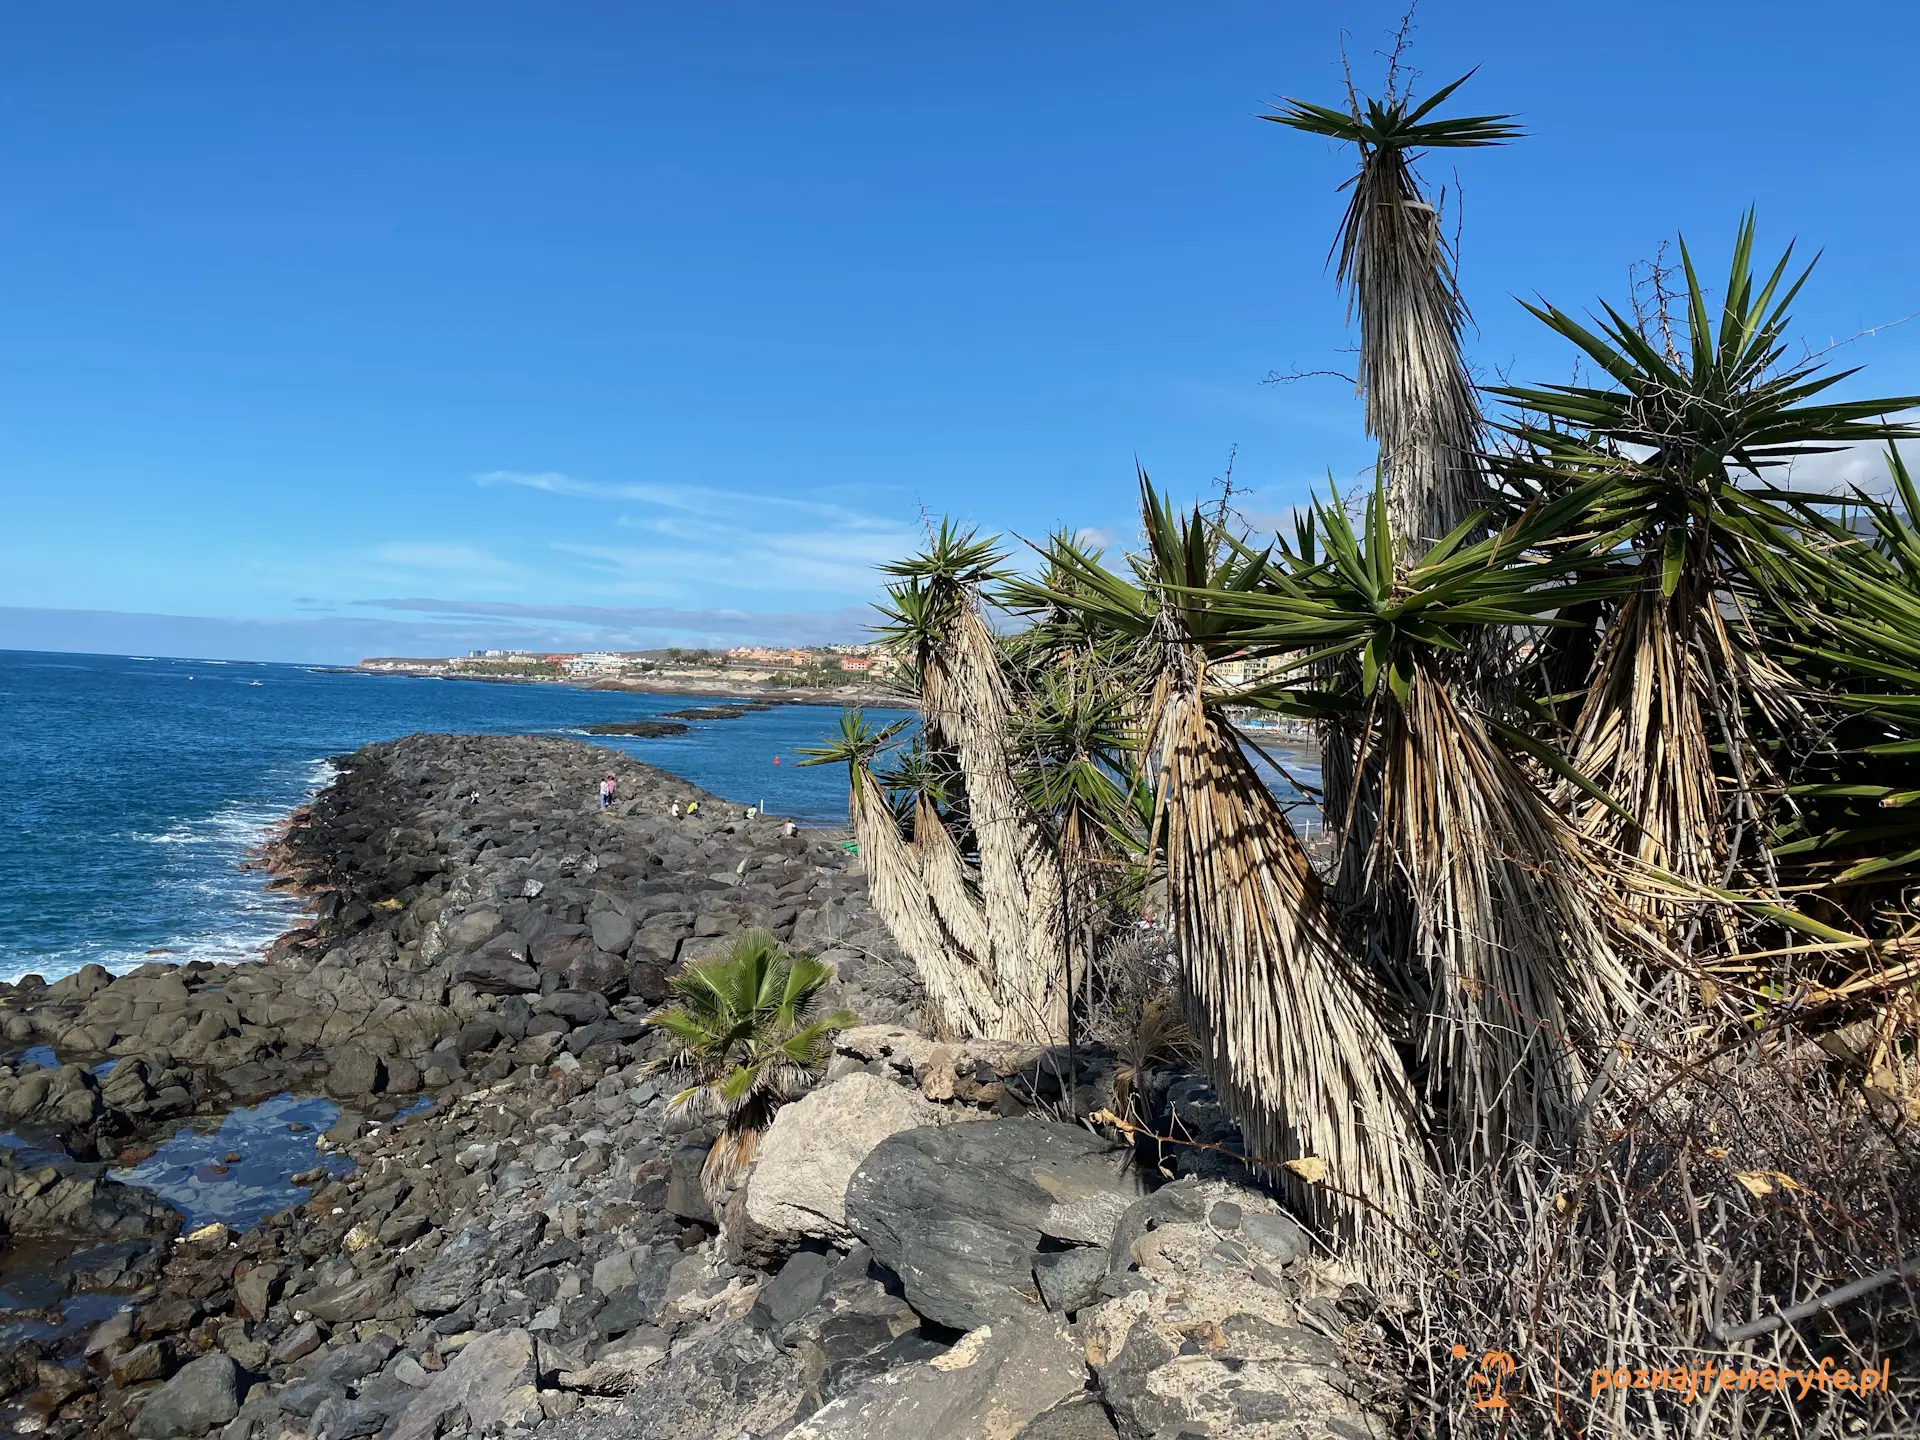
column 474, row 929
column 1070, row 1279
column 499, row 967
column 355, row 1071
column 490, row 1384
column 202, row 1394
column 454, row 1275
column 958, row 1211
column 354, row 1299
column 612, row 931
column 798, row 1188
column 1000, row 1381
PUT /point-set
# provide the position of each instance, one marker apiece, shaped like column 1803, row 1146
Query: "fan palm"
column 745, row 1032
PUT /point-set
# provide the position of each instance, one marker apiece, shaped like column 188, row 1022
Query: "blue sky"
column 405, row 327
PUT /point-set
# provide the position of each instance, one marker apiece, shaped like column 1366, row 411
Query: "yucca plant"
column 1845, row 618
column 1400, row 281
column 1683, row 697
column 746, row 1033
column 934, row 619
column 920, row 887
column 1294, row 1032
column 1474, row 894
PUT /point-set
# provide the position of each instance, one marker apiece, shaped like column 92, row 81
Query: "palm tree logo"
column 1484, row 1385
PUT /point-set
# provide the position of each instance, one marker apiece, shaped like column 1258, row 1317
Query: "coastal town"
column 830, row 673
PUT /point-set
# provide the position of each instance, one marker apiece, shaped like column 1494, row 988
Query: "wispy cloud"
column 423, row 627
column 694, row 539
column 639, row 626
column 688, row 499
column 441, row 555
column 1840, row 472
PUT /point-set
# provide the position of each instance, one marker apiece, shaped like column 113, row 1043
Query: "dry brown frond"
column 1484, row 901
column 959, row 994
column 1289, row 1027
column 1419, row 401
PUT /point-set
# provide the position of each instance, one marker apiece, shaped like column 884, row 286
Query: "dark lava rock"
column 795, row 1290
column 205, row 1393
column 499, row 967
column 356, row 1071
column 958, row 1211
column 645, row 729
column 1070, row 1279
column 639, row 1303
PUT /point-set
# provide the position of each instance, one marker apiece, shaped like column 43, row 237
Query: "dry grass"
column 1730, row 1186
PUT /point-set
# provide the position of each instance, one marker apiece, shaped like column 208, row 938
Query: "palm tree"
column 921, row 887
column 746, row 1034
column 1474, row 898
column 1420, row 403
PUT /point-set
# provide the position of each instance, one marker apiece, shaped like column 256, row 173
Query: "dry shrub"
column 1713, row 1192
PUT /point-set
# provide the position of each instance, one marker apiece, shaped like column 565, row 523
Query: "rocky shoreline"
column 532, row 1252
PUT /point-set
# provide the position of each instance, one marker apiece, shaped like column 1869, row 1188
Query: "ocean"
column 131, row 788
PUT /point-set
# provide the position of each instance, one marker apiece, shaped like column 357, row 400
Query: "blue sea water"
column 132, row 788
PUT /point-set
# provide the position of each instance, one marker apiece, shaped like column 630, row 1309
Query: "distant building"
column 779, row 659
column 1241, row 669
column 600, row 663
column 856, row 664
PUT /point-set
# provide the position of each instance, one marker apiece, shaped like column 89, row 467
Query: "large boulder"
column 455, row 1274
column 1208, row 1336
column 798, row 1189
column 998, row 1381
column 491, row 1385
column 202, row 1394
column 355, row 1071
column 958, row 1211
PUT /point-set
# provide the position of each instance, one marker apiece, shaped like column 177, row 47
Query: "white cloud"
column 450, row 557
column 1840, row 472
column 696, row 539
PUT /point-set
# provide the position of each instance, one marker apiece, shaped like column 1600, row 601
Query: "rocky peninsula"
column 926, row 1246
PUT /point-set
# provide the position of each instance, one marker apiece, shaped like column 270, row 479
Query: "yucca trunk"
column 1419, row 401
column 960, row 995
column 1662, row 733
column 1290, row 1028
column 951, row 889
column 1486, row 903
column 966, row 704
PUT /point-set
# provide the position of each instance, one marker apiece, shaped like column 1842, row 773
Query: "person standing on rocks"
column 606, row 791
column 674, row 809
